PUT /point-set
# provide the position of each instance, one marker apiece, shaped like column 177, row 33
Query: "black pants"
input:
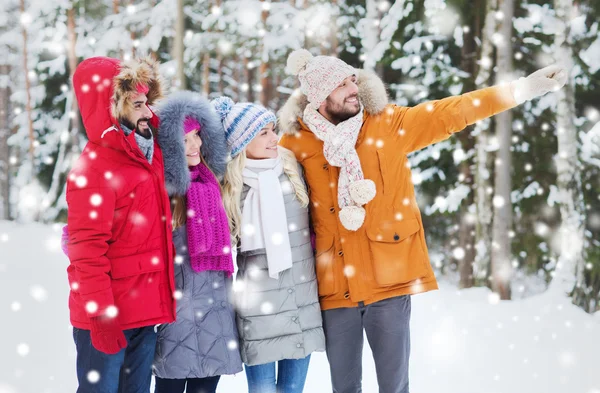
column 194, row 385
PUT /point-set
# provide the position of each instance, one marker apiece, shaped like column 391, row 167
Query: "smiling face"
column 139, row 115
column 192, row 144
column 264, row 144
column 342, row 103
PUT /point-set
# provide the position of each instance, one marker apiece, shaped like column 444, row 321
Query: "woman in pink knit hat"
column 202, row 344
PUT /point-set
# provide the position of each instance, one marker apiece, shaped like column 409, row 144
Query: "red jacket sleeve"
column 91, row 206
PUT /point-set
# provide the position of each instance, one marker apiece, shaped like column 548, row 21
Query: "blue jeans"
column 291, row 375
column 189, row 385
column 129, row 371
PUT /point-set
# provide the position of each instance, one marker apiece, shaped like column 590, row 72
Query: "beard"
column 338, row 113
column 146, row 132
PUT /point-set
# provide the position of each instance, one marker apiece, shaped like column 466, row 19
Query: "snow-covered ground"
column 462, row 341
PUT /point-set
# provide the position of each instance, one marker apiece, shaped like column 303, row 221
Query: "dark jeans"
column 194, row 385
column 291, row 375
column 387, row 324
column 129, row 371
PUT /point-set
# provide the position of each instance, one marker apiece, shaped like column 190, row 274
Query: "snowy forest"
column 512, row 203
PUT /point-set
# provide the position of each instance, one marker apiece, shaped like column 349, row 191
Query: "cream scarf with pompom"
column 339, row 142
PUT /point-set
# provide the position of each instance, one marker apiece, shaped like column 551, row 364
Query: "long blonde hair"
column 233, row 183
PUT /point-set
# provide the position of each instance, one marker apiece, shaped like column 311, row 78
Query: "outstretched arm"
column 434, row 121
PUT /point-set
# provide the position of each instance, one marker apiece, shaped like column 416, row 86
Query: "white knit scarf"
column 339, row 150
column 264, row 220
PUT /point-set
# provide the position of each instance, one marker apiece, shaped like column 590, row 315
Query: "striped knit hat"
column 241, row 121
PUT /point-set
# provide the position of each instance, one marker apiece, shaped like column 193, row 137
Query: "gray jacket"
column 280, row 318
column 203, row 341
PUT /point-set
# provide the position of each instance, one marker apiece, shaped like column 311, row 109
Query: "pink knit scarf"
column 209, row 240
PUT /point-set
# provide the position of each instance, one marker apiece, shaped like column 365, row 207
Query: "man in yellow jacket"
column 370, row 242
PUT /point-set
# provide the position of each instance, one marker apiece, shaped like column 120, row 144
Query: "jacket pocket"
column 325, row 258
column 396, row 251
column 133, row 265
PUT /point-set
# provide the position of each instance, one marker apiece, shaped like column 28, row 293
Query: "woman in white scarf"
column 278, row 313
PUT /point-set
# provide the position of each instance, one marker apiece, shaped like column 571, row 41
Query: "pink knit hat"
column 319, row 75
column 190, row 124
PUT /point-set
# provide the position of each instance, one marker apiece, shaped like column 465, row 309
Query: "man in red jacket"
column 119, row 242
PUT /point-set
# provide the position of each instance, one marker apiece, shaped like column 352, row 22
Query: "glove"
column 107, row 335
column 542, row 81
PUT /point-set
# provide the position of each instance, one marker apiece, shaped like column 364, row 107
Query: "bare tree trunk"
column 132, row 37
column 466, row 223
column 206, row 67
column 483, row 172
column 180, row 81
column 502, row 224
column 72, row 58
column 115, row 5
column 568, row 275
column 265, row 81
column 28, row 108
column 206, row 74
column 4, row 148
column 249, row 77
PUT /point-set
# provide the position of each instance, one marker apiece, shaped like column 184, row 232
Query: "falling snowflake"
column 277, row 238
column 23, row 349
column 112, row 311
column 93, row 376
column 458, row 253
column 178, row 259
column 232, row 345
column 96, row 199
column 349, row 271
column 493, row 298
column 38, row 293
column 91, row 307
column 108, row 175
column 81, row 181
column 177, row 295
column 266, row 308
column 498, row 201
column 248, row 230
column 15, row 306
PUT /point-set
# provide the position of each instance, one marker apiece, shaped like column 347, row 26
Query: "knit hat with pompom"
column 241, row 121
column 318, row 75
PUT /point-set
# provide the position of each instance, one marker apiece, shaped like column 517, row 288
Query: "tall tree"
column 569, row 271
column 5, row 179
column 483, row 171
column 24, row 22
column 265, row 81
column 502, row 222
column 180, row 81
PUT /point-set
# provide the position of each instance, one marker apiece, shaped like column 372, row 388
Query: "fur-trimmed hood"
column 132, row 74
column 173, row 112
column 102, row 85
column 371, row 93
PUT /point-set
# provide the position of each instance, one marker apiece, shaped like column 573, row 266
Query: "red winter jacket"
column 119, row 219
